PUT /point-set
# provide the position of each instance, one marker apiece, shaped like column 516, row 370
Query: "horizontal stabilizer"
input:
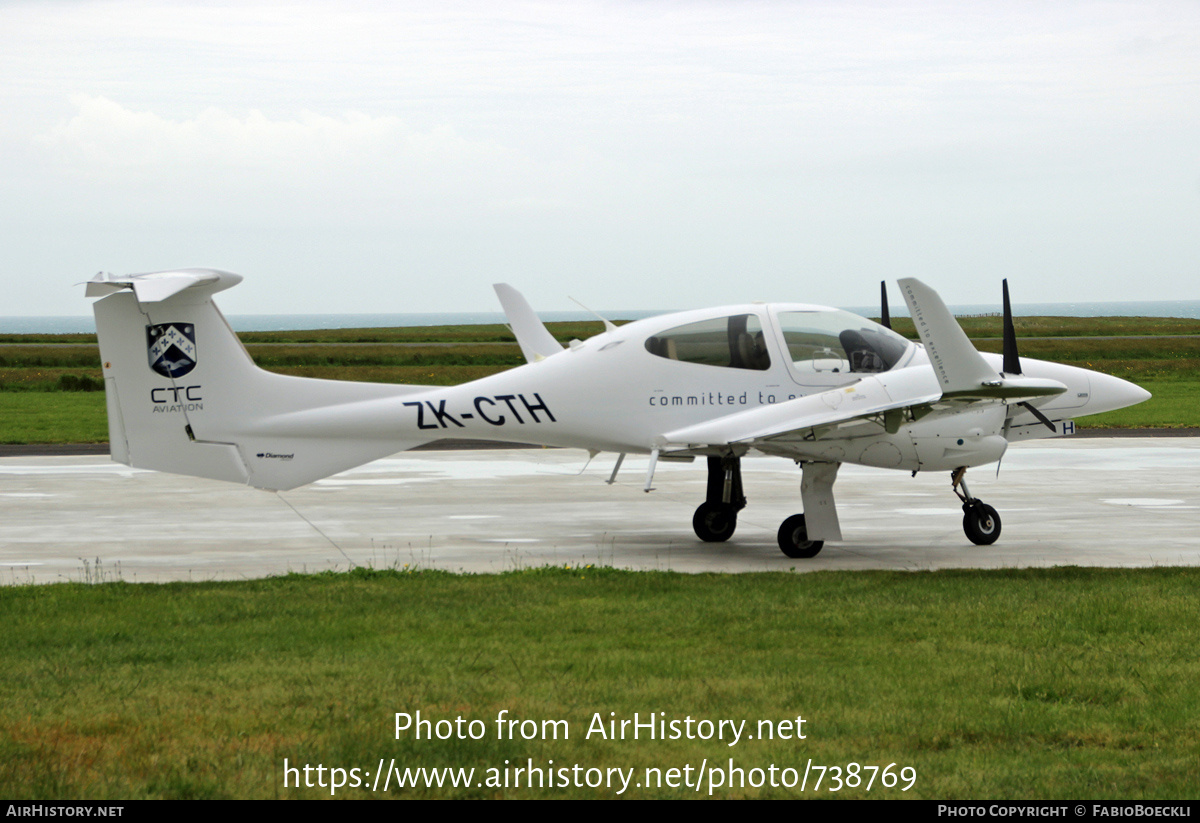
column 155, row 287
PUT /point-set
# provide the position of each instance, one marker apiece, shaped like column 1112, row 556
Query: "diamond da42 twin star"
column 812, row 384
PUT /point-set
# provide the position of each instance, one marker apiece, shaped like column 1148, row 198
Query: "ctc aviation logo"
column 172, row 348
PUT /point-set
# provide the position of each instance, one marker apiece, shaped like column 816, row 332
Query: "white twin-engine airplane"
column 813, row 384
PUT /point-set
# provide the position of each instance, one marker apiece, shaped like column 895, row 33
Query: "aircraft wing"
column 872, row 405
column 887, row 399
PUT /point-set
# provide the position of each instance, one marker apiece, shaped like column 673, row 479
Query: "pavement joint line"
column 78, row 449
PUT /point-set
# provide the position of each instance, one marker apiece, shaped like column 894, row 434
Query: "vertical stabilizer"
column 185, row 397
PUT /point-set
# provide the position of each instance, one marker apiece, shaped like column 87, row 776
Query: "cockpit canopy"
column 819, row 343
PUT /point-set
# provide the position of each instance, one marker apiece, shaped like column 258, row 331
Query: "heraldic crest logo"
column 172, row 348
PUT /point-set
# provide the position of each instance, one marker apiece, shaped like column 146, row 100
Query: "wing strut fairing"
column 816, row 492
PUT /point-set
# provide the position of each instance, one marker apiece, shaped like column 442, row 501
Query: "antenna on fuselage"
column 608, row 326
column 885, row 319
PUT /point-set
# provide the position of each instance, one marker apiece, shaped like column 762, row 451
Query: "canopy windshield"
column 823, row 343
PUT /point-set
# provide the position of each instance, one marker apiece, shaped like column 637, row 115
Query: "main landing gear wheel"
column 793, row 538
column 714, row 522
column 981, row 523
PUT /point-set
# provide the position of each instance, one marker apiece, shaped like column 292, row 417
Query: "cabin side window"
column 735, row 342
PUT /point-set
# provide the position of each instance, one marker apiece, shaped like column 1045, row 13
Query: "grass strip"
column 53, row 417
column 985, row 326
column 80, row 417
column 1175, row 404
column 1056, row 683
column 449, row 355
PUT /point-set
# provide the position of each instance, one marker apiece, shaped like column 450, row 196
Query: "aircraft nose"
column 1109, row 393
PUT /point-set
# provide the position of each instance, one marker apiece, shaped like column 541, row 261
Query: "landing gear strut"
column 801, row 535
column 716, row 518
column 798, row 536
column 980, row 521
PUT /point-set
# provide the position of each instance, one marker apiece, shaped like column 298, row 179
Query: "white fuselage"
column 610, row 393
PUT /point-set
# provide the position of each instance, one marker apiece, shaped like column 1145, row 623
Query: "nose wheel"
column 981, row 523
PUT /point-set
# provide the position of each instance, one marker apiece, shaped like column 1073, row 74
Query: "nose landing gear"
column 980, row 521
column 716, row 518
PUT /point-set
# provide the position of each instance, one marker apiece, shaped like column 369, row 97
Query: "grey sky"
column 402, row 157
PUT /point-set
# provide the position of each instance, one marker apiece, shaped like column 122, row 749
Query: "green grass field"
column 53, row 417
column 1062, row 683
column 989, row 326
column 47, row 381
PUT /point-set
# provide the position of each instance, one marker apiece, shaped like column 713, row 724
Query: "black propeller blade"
column 1029, row 407
column 885, row 319
column 1012, row 361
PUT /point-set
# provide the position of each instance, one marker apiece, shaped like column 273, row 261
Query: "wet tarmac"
column 1117, row 502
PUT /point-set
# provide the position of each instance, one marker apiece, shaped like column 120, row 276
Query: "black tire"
column 793, row 538
column 714, row 522
column 981, row 523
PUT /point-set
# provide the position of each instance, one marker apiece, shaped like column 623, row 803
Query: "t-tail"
column 184, row 396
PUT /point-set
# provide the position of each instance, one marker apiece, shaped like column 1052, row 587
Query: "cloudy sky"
column 394, row 157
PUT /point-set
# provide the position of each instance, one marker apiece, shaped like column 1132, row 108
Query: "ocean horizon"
column 85, row 324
